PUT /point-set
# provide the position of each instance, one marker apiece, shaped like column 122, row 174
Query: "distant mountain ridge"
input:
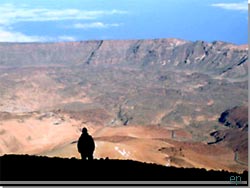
column 219, row 58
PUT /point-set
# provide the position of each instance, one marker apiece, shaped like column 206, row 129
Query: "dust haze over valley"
column 166, row 101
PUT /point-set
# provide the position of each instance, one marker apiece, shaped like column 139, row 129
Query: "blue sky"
column 75, row 20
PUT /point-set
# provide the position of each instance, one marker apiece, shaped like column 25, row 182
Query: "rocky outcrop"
column 236, row 137
column 236, row 117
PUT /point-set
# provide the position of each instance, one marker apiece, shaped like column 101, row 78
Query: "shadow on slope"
column 35, row 168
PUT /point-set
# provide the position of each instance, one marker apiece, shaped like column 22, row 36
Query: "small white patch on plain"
column 210, row 102
column 122, row 152
column 176, row 63
column 168, row 162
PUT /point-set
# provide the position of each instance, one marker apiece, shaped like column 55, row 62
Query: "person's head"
column 84, row 130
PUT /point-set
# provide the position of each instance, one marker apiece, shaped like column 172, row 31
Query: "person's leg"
column 84, row 157
column 90, row 157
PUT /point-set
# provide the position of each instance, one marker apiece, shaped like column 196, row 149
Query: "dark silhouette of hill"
column 37, row 168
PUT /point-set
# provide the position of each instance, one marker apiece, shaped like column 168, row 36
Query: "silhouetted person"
column 86, row 145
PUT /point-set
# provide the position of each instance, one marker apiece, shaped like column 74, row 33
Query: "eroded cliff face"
column 219, row 58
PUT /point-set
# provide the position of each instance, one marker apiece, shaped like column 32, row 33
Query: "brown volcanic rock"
column 236, row 137
column 235, row 117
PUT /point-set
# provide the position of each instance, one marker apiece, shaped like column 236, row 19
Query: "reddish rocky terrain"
column 55, row 134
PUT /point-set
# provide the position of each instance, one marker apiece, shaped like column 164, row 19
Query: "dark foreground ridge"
column 35, row 168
